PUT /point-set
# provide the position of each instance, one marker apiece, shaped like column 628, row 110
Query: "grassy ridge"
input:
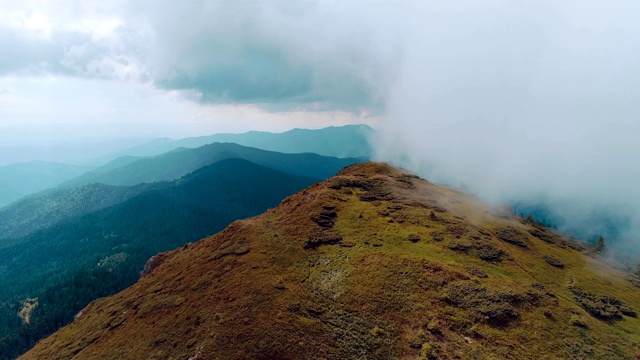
column 374, row 264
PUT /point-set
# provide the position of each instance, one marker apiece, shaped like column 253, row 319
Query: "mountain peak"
column 371, row 263
column 368, row 169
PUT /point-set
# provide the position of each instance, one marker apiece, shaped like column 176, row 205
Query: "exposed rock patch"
column 545, row 236
column 457, row 229
column 493, row 307
column 512, row 236
column 603, row 307
column 488, row 252
column 324, row 237
column 153, row 263
column 327, row 217
column 28, row 305
column 553, row 261
column 437, row 236
column 476, row 271
column 459, row 245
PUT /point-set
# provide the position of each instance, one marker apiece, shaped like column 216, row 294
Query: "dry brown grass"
column 255, row 291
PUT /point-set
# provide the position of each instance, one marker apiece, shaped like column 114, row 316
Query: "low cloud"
column 312, row 54
column 316, row 55
column 526, row 103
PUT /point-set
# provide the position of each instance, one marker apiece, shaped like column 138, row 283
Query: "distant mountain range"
column 114, row 182
column 178, row 162
column 104, row 158
column 80, row 258
column 338, row 141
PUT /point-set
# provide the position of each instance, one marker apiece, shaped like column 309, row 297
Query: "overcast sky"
column 534, row 101
column 104, row 69
column 516, row 99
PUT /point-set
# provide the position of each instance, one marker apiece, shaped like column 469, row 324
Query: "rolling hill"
column 373, row 263
column 176, row 163
column 79, row 259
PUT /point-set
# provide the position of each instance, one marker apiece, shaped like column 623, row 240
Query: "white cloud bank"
column 526, row 102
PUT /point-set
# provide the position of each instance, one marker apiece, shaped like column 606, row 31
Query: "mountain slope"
column 337, row 141
column 340, row 141
column 80, row 259
column 373, row 264
column 45, row 209
column 18, row 180
column 179, row 162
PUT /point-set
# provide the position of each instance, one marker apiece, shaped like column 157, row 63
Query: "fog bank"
column 528, row 103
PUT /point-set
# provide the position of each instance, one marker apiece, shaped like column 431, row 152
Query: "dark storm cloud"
column 258, row 74
column 270, row 52
column 277, row 53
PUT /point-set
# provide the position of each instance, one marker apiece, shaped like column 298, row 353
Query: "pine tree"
column 600, row 246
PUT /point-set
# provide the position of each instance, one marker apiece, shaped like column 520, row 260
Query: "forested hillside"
column 77, row 260
column 46, row 208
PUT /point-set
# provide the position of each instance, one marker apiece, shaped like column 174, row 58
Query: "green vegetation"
column 553, row 261
column 496, row 308
column 600, row 246
column 77, row 260
column 513, row 236
column 605, row 307
column 39, row 211
column 331, row 273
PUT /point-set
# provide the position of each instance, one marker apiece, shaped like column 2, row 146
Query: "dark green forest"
column 44, row 209
column 77, row 260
